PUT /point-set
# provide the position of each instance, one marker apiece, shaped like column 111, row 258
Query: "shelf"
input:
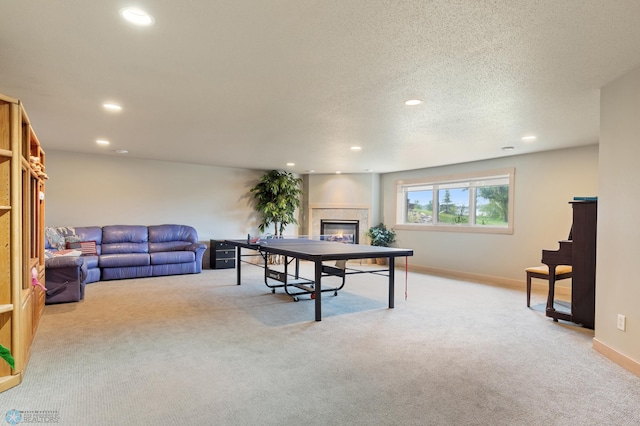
column 21, row 236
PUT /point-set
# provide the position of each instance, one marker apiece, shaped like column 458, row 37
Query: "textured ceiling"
column 259, row 83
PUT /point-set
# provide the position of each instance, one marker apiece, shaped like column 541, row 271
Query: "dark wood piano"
column 579, row 252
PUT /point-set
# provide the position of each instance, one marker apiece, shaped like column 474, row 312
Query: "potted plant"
column 381, row 236
column 277, row 196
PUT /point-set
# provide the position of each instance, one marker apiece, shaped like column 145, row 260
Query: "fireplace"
column 341, row 214
column 340, row 230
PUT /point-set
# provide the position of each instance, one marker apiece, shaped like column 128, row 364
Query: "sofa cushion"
column 126, row 272
column 174, row 269
column 93, row 274
column 91, row 233
column 124, row 259
column 125, row 239
column 90, row 261
column 164, row 238
column 162, row 258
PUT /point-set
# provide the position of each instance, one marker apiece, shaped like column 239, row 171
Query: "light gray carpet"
column 199, row 350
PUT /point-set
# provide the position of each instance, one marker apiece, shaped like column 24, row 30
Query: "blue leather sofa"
column 126, row 251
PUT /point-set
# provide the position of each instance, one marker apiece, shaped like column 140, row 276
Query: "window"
column 480, row 202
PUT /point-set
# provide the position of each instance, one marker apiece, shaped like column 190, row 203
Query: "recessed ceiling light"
column 102, row 142
column 309, row 171
column 291, row 164
column 413, row 102
column 356, row 148
column 529, row 138
column 121, row 151
column 508, row 148
column 136, row 16
column 368, row 170
column 112, row 107
column 338, row 172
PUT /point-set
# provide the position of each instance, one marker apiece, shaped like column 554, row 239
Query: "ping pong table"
column 318, row 252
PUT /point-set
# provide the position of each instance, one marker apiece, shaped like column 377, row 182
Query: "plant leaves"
column 276, row 198
column 6, row 355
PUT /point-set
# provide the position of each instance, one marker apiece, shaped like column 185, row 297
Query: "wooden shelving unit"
column 22, row 188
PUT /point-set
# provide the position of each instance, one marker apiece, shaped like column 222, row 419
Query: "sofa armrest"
column 195, row 247
column 65, row 268
column 199, row 250
column 63, row 262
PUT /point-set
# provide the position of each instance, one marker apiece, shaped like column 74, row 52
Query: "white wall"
column 340, row 190
column 544, row 185
column 87, row 190
column 617, row 287
column 344, row 189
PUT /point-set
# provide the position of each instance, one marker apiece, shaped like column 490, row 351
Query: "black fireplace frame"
column 353, row 223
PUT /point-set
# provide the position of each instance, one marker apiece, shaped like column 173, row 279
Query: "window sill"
column 455, row 228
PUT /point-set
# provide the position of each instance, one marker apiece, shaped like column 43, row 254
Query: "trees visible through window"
column 471, row 202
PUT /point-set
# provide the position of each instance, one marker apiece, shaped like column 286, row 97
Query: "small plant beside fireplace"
column 381, row 236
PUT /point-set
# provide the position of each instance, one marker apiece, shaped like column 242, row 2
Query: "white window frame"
column 469, row 180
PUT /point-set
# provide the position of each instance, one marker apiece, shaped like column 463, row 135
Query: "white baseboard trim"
column 617, row 357
column 536, row 285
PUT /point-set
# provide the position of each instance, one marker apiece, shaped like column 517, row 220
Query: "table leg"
column 392, row 280
column 552, row 288
column 318, row 290
column 239, row 262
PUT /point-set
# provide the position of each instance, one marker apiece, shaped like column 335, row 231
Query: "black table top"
column 318, row 250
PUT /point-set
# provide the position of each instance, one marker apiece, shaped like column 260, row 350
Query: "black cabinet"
column 222, row 255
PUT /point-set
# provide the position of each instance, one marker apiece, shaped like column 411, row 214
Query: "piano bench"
column 542, row 272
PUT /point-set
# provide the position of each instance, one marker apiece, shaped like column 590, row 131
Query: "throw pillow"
column 55, row 239
column 72, row 239
column 66, row 231
column 88, row 248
